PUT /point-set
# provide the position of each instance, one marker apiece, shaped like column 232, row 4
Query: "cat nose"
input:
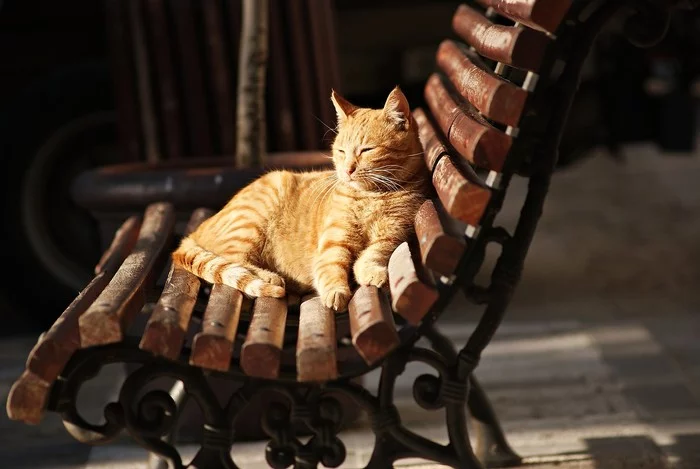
column 350, row 170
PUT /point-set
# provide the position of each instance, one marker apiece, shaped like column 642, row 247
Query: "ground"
column 597, row 364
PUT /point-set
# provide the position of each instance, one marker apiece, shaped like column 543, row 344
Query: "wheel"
column 54, row 129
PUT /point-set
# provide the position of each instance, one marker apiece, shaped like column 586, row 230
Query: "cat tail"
column 216, row 269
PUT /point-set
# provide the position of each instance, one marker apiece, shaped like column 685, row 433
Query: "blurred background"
column 74, row 77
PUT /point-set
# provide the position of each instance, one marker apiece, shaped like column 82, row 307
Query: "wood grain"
column 27, row 399
column 493, row 96
column 220, row 75
column 433, row 149
column 518, row 47
column 165, row 71
column 55, row 347
column 470, row 134
column 316, row 342
column 440, row 250
column 545, row 15
column 262, row 349
column 372, row 324
column 109, row 316
column 462, row 197
column 213, row 345
column 412, row 291
column 123, row 73
column 192, row 64
column 166, row 328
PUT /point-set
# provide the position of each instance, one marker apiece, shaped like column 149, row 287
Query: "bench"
column 495, row 109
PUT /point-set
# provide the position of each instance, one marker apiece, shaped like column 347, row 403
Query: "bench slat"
column 462, row 199
column 440, row 250
column 461, row 192
column 372, row 324
column 157, row 20
column 539, row 14
column 433, row 149
column 213, row 346
column 493, row 96
column 166, row 328
column 316, row 342
column 27, row 399
column 221, row 80
column 412, row 291
column 469, row 133
column 197, row 118
column 109, row 316
column 519, row 47
column 262, row 350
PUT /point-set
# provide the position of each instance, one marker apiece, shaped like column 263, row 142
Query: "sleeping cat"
column 322, row 230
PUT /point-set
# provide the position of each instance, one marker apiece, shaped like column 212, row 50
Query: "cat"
column 321, row 230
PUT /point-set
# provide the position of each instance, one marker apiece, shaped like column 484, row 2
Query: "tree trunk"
column 252, row 63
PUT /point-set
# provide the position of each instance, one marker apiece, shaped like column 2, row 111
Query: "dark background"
column 54, row 68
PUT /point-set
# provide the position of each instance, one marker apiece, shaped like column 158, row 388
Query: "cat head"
column 377, row 149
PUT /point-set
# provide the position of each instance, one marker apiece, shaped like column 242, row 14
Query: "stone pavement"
column 597, row 365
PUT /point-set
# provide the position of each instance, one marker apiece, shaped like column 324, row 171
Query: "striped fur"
column 323, row 230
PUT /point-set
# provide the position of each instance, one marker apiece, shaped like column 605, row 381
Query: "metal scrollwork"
column 321, row 414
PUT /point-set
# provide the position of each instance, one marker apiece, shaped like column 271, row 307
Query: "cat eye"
column 362, row 150
column 340, row 150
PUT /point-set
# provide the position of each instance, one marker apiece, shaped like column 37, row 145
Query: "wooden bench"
column 496, row 107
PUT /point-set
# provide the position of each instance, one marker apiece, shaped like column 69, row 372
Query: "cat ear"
column 397, row 108
column 343, row 107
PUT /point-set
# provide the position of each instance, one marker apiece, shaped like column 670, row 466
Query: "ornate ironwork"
column 151, row 417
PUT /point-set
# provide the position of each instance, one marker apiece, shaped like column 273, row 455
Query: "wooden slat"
column 462, row 198
column 213, row 346
column 372, row 324
column 108, row 318
column 27, row 399
column 298, row 51
column 262, row 349
column 149, row 124
column 433, row 149
column 519, row 47
column 461, row 192
column 166, row 85
column 412, row 293
column 280, row 90
column 192, row 64
column 316, row 343
column 320, row 63
column 469, row 133
column 166, row 328
column 539, row 14
column 120, row 51
column 220, row 75
column 440, row 250
column 493, row 96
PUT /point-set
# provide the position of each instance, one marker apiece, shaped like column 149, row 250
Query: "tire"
column 55, row 128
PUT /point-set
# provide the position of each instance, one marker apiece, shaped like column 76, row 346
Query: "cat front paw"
column 336, row 298
column 375, row 275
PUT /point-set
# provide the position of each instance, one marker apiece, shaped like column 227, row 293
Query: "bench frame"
column 151, row 417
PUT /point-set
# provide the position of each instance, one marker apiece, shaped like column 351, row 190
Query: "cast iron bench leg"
column 492, row 448
column 178, row 394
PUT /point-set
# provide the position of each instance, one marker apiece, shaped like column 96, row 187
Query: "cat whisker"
column 330, row 129
column 327, row 186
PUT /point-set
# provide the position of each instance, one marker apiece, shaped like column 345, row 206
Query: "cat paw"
column 269, row 277
column 336, row 298
column 372, row 275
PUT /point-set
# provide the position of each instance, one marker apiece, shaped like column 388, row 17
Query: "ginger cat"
column 313, row 230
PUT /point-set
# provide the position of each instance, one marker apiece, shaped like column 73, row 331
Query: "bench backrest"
column 175, row 67
column 476, row 101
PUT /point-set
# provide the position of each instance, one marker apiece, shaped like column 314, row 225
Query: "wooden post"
column 252, row 63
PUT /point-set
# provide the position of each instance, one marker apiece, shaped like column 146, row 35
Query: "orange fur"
column 321, row 230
